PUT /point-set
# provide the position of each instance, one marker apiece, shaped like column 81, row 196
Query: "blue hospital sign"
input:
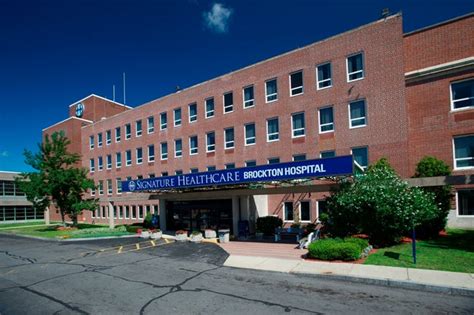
column 336, row 166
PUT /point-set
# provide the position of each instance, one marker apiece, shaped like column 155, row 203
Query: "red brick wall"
column 97, row 108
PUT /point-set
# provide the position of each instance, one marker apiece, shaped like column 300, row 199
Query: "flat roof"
column 426, row 28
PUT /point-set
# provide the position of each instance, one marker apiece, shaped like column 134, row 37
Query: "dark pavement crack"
column 68, row 306
column 18, row 257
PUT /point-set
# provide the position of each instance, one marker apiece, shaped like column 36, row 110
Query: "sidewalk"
column 419, row 279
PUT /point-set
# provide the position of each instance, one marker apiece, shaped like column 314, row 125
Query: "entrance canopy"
column 309, row 169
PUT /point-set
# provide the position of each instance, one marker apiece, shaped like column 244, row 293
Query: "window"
column 133, row 212
column 178, row 172
column 465, row 202
column 209, row 107
column 178, row 148
column 109, row 187
column 128, row 158
column 151, row 175
column 127, row 212
column 326, row 120
column 305, row 211
column 299, row 157
column 100, row 163
column 118, row 160
column 355, row 67
column 211, row 168
column 128, row 131
column 328, row 154
column 194, row 170
column 101, row 187
column 151, row 124
column 164, row 150
column 464, row 152
column 271, row 90
column 210, row 141
column 193, row 145
column 117, row 134
column 164, row 174
column 250, row 163
column 322, row 207
column 357, row 114
column 91, row 142
column 248, row 97
column 138, row 127
column 108, row 137
column 361, row 156
column 228, row 102
column 462, row 94
column 109, row 161
column 139, row 155
column 323, row 76
column 139, row 176
column 163, row 121
column 250, row 134
column 229, row 138
column 229, row 166
column 274, row 160
column 151, row 153
column 288, row 211
column 91, row 165
column 297, row 125
column 296, row 83
column 177, row 117
column 99, row 140
column 273, row 129
column 192, row 108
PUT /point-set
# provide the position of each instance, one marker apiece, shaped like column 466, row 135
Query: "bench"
column 297, row 232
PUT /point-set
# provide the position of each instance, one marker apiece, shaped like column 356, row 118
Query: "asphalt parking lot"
column 119, row 277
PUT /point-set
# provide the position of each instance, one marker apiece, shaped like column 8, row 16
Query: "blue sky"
column 53, row 53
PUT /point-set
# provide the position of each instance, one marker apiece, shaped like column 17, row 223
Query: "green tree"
column 57, row 179
column 378, row 204
column 429, row 167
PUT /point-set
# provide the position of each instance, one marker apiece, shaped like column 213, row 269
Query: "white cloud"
column 217, row 19
column 4, row 154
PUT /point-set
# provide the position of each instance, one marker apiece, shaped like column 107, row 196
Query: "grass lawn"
column 20, row 224
column 84, row 230
column 453, row 252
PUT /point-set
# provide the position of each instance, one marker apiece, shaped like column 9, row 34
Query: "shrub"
column 147, row 221
column 268, row 224
column 334, row 249
column 362, row 243
column 133, row 228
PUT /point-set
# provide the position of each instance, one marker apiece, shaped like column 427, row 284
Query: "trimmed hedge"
column 268, row 224
column 337, row 249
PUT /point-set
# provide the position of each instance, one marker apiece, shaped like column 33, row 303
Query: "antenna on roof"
column 124, row 98
column 385, row 12
column 113, row 92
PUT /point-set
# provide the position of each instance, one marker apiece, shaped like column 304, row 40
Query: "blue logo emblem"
column 79, row 110
column 131, row 186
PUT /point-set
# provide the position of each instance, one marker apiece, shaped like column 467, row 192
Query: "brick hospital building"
column 370, row 92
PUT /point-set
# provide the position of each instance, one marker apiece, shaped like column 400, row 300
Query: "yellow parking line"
column 120, row 250
column 153, row 243
column 137, row 245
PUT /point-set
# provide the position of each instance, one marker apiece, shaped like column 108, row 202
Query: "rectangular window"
column 464, row 152
column 228, row 102
column 128, row 131
column 99, row 140
column 229, row 166
column 271, row 90
column 192, row 112
column 178, row 172
column 127, row 212
column 164, row 174
column 101, row 187
column 327, row 154
column 151, row 153
column 193, row 145
column 322, row 207
column 151, row 124
column 91, row 142
column 178, row 148
column 177, row 117
column 139, row 155
column 211, row 168
column 118, row 160
column 151, row 175
column 119, row 185
column 296, row 83
column 299, row 157
column 465, row 202
column 109, row 161
column 326, row 120
column 109, row 187
column 91, row 165
column 297, row 125
column 194, row 170
column 248, row 97
column 133, row 214
column 361, row 156
column 324, row 76
column 305, row 211
column 355, row 67
column 128, row 158
column 229, row 138
column 138, row 127
column 163, row 121
column 250, row 134
column 210, row 141
column 357, row 114
column 288, row 211
column 209, row 107
column 274, row 160
column 164, row 150
column 118, row 135
column 250, row 163
column 100, row 163
column 108, row 137
column 273, row 129
column 462, row 94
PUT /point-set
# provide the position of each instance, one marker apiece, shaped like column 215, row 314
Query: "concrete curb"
column 69, row 239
